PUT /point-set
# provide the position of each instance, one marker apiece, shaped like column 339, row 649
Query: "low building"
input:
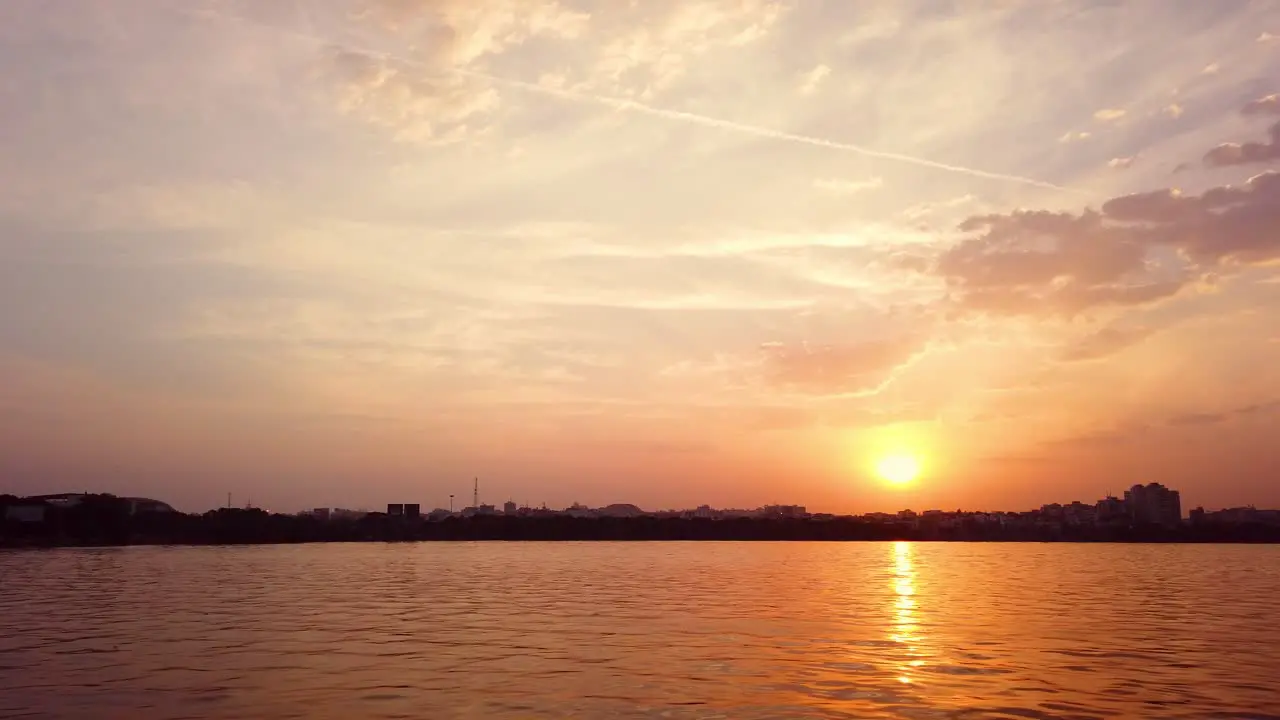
column 783, row 511
column 1078, row 513
column 1110, row 509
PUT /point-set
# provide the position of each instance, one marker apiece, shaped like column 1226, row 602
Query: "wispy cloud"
column 836, row 186
column 1106, row 342
column 812, row 80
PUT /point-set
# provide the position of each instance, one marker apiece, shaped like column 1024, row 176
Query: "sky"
column 670, row 252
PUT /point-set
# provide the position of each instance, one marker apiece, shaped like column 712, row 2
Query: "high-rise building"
column 412, row 510
column 395, row 509
column 1153, row 503
column 509, row 508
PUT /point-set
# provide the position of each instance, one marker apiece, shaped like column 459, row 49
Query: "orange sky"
column 731, row 252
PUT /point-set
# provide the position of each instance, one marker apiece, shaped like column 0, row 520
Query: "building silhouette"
column 1111, row 509
column 1153, row 504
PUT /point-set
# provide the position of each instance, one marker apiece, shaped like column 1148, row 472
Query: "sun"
column 898, row 469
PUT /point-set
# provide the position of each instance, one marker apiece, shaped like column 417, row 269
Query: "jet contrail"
column 666, row 113
column 756, row 130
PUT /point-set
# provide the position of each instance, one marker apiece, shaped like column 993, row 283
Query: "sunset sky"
column 666, row 252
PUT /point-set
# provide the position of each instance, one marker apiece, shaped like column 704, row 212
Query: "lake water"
column 642, row 630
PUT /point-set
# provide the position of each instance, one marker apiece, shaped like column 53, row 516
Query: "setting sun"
column 898, row 469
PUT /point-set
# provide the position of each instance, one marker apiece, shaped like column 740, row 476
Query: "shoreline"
column 256, row 527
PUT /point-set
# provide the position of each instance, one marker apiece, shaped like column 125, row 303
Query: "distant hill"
column 622, row 510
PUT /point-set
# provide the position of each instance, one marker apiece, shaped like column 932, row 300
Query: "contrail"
column 756, row 130
column 666, row 113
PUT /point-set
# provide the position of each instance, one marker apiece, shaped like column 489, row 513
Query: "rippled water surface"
column 644, row 630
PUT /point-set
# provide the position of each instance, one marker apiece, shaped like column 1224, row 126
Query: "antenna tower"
column 475, row 495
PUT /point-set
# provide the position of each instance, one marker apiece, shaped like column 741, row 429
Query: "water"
column 643, row 630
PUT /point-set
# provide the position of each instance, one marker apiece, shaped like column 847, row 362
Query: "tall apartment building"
column 1153, row 503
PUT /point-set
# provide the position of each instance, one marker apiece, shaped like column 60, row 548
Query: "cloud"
column 415, row 107
column 1075, row 137
column 836, row 186
column 811, row 80
column 421, row 95
column 1229, row 154
column 417, row 94
column 1237, row 223
column 1249, row 153
column 459, row 32
column 1174, row 111
column 1105, row 343
column 839, row 369
column 1269, row 105
column 1266, row 37
column 644, row 48
column 923, row 211
column 437, row 90
column 1121, row 163
column 1224, row 223
column 1028, row 262
column 1211, row 69
column 1216, row 418
column 1109, row 114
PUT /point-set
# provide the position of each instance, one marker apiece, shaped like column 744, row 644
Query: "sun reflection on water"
column 905, row 628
